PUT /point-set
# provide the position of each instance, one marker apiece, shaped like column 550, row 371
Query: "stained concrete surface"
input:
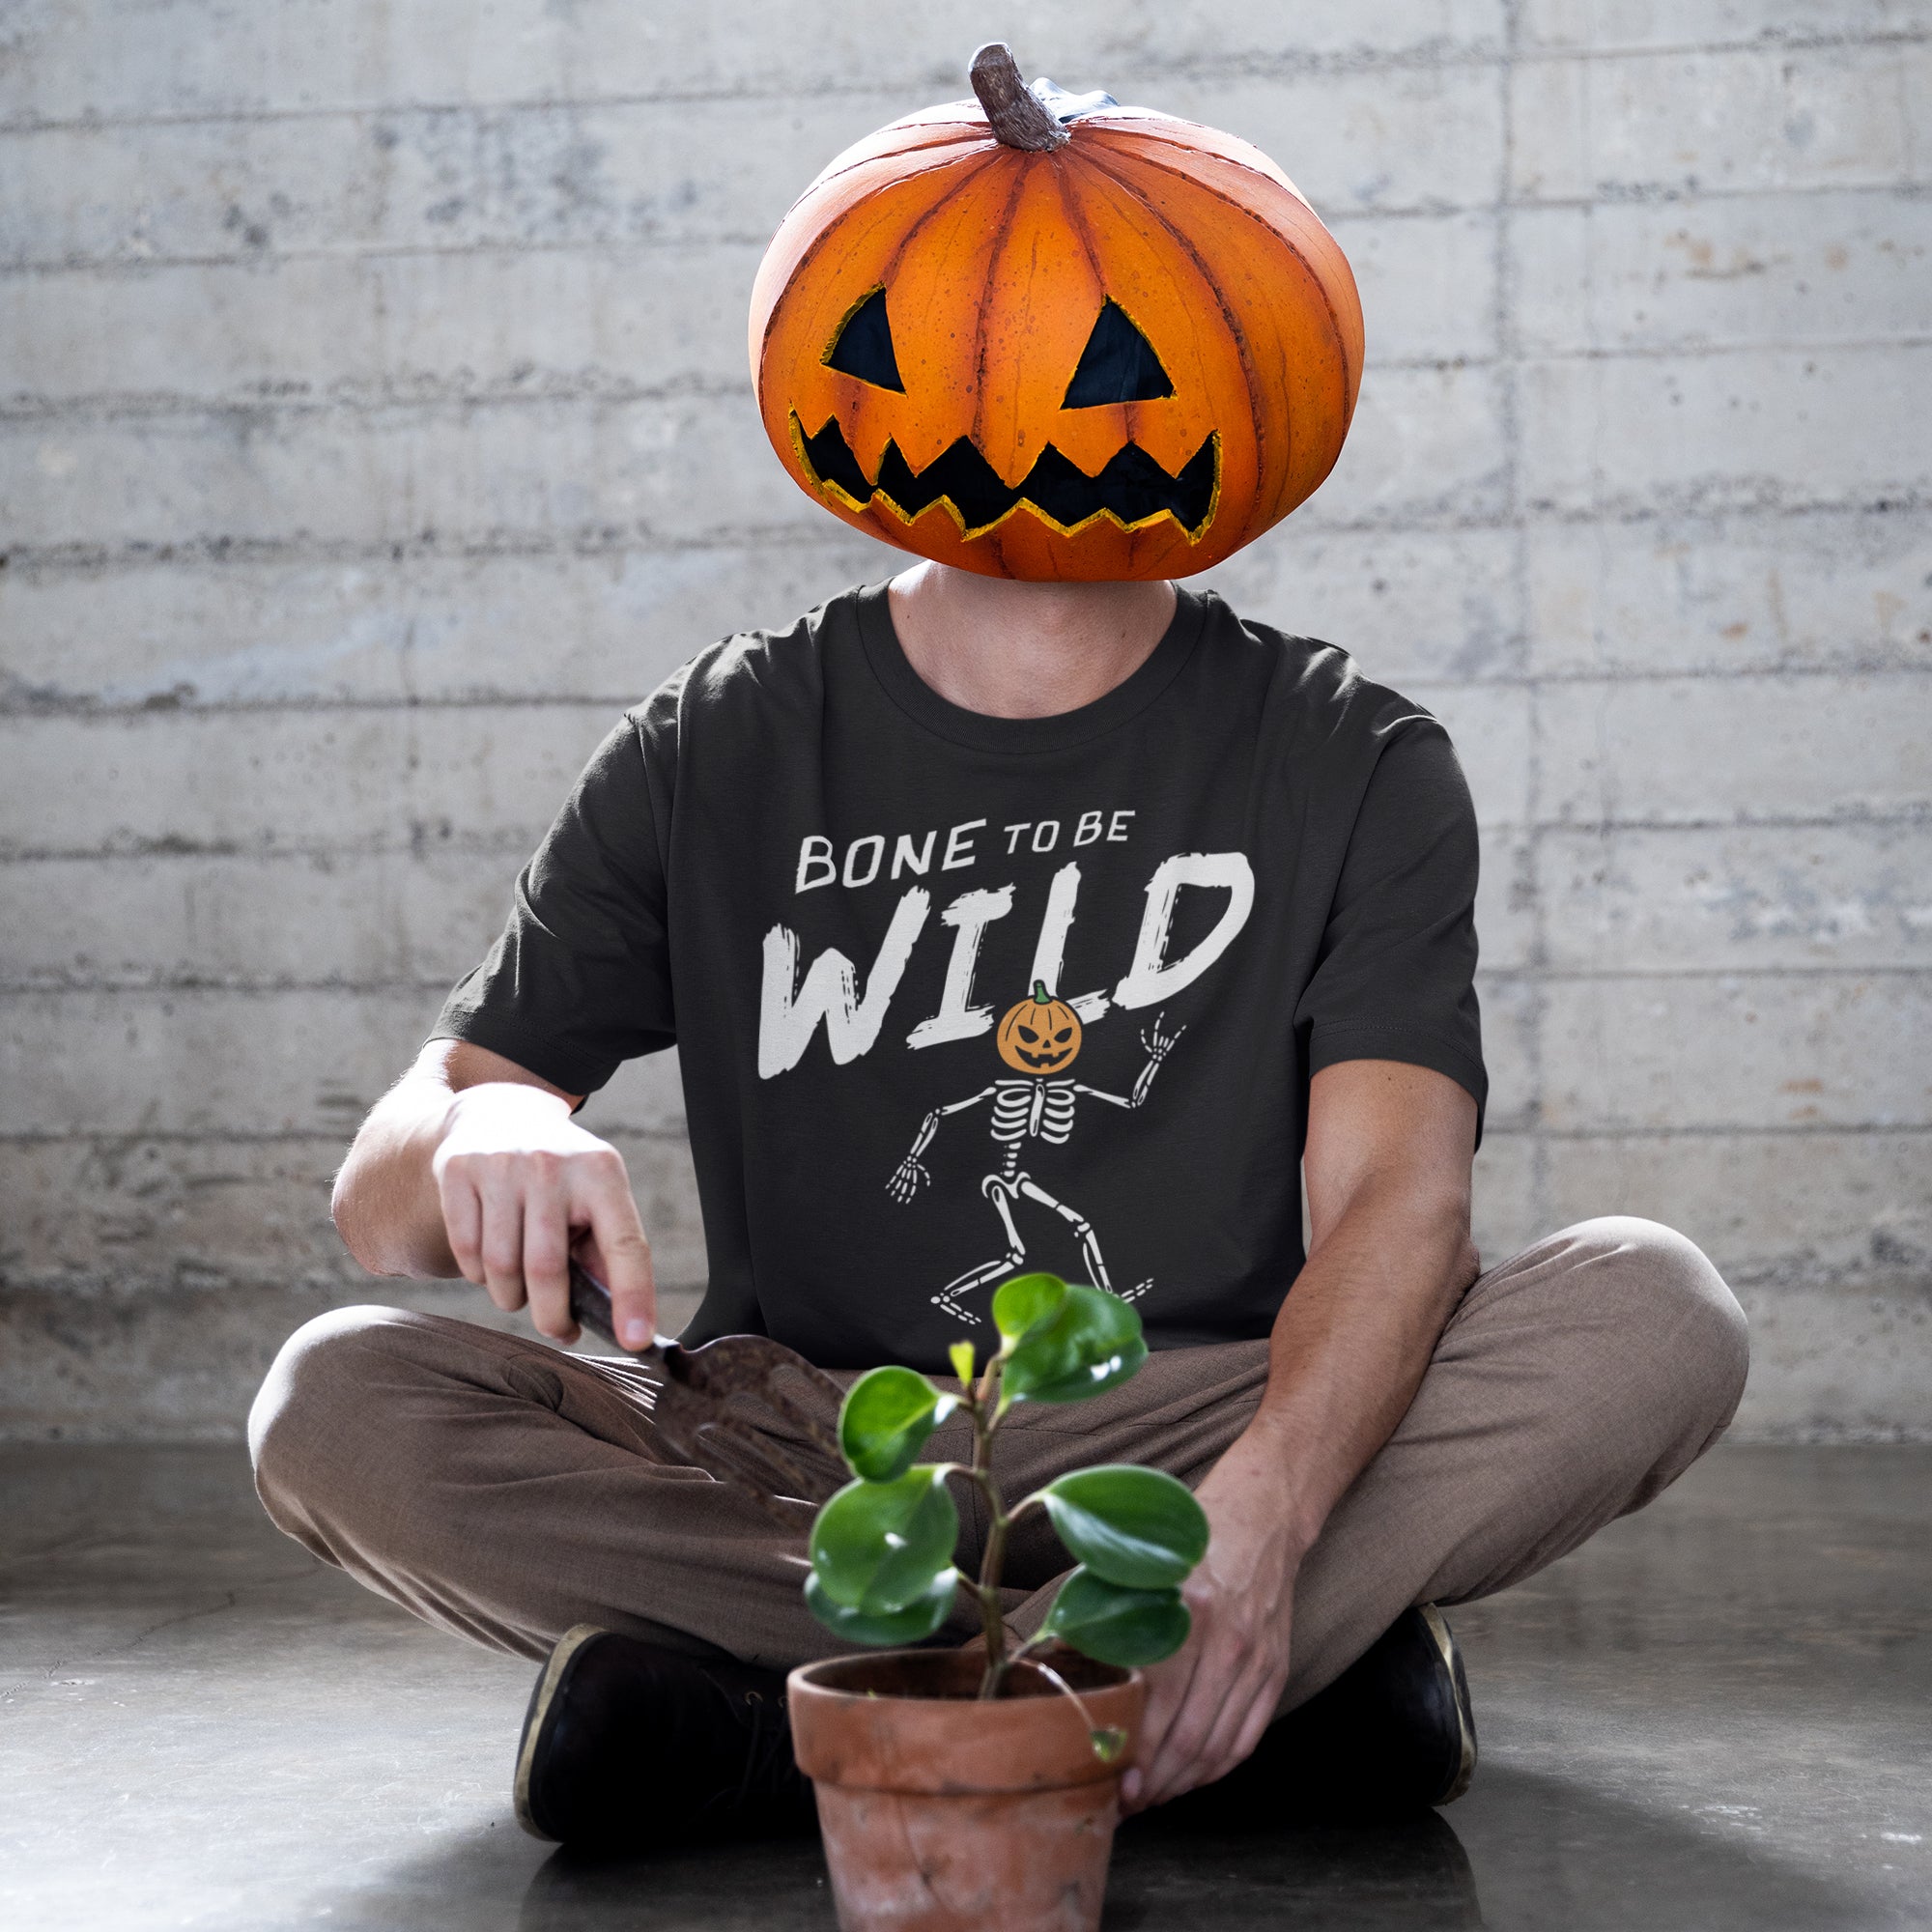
column 1715, row 1715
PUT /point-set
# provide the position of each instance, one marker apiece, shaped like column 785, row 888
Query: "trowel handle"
column 590, row 1308
column 590, row 1304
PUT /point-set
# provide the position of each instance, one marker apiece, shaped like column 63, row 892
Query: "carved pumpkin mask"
column 1040, row 1034
column 1054, row 338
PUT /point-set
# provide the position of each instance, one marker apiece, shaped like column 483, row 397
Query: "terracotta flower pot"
column 944, row 1814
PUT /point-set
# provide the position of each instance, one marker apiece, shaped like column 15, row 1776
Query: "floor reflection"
column 1411, row 1872
column 1550, row 1853
column 1414, row 1874
column 768, row 1887
column 1555, row 1851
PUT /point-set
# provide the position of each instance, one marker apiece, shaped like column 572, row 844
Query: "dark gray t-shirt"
column 840, row 895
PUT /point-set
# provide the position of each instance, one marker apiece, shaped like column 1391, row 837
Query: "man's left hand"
column 1209, row 1704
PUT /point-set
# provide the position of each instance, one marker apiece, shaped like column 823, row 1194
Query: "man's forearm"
column 385, row 1203
column 1387, row 1167
column 1354, row 1336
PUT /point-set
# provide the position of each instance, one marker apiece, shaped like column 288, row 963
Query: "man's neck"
column 1024, row 650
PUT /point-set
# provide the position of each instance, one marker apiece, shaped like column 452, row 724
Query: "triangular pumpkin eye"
column 863, row 346
column 1118, row 365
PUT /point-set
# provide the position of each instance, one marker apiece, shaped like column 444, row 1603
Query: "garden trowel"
column 725, row 1408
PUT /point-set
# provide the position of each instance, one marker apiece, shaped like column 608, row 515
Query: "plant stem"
column 990, row 1618
column 985, row 1423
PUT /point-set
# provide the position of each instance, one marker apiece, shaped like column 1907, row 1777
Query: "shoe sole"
column 1466, row 1728
column 537, row 1718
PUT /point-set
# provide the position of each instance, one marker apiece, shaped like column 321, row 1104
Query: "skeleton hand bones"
column 1158, row 1044
column 907, row 1178
column 910, row 1175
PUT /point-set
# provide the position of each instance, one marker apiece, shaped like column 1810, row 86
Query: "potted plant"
column 958, row 1790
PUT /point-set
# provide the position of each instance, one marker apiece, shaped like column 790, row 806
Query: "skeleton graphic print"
column 1030, row 1113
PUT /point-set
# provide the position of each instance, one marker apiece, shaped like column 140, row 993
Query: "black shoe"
column 1393, row 1733
column 627, row 1747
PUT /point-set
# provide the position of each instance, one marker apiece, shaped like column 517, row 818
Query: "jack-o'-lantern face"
column 1040, row 1034
column 1055, row 339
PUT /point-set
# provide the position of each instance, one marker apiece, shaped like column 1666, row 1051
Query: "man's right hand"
column 523, row 1187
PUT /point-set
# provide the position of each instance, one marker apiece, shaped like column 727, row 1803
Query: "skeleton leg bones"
column 1083, row 1229
column 1000, row 1192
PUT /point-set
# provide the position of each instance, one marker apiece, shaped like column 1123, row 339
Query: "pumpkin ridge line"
column 969, row 173
column 1228, row 200
column 953, row 134
column 1250, row 374
column 1001, row 236
column 1153, row 130
column 1298, row 204
column 960, row 153
column 896, row 260
column 1076, row 218
column 1163, row 166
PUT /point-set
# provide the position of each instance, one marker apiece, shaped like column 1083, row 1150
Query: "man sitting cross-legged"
column 965, row 840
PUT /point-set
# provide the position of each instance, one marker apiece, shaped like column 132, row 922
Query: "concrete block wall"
column 374, row 423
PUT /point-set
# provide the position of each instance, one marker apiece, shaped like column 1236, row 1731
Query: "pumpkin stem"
column 1013, row 110
column 1041, row 996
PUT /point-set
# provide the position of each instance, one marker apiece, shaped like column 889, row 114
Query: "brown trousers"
column 505, row 1490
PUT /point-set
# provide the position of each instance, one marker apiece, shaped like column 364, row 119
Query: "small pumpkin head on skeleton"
column 1040, row 1034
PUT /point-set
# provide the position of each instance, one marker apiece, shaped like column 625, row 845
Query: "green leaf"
column 1025, row 1300
column 1116, row 1626
column 878, row 1546
column 915, row 1622
column 1131, row 1527
column 1090, row 1343
column 885, row 1419
column 960, row 1355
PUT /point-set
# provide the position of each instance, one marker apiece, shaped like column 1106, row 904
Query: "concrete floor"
column 1718, row 1714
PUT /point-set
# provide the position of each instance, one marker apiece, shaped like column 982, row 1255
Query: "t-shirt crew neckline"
column 978, row 732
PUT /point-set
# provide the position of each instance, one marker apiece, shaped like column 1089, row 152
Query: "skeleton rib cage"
column 1025, row 1110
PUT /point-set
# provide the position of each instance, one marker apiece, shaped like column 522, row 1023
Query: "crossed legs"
column 505, row 1490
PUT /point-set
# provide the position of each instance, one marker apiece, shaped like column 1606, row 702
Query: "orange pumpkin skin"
column 996, row 262
column 1040, row 1034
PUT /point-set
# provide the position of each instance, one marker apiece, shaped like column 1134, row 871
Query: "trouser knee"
column 313, row 1407
column 1683, row 1338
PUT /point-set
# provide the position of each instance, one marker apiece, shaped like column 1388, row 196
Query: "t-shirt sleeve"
column 1395, row 976
column 580, row 981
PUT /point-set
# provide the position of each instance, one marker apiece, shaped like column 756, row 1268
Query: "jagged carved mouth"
column 1133, row 488
column 1042, row 1058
